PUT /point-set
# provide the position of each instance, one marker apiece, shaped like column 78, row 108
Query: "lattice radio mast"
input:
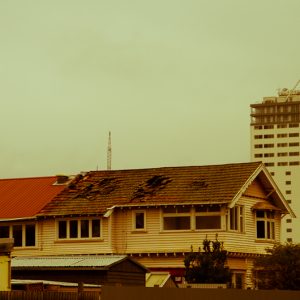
column 109, row 152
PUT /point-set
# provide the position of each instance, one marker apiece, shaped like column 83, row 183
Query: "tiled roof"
column 24, row 197
column 96, row 191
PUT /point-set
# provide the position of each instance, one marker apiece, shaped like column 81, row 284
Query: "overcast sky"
column 171, row 79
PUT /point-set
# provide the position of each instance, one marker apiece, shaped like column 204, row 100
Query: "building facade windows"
column 265, row 225
column 281, row 154
column 269, row 155
column 204, row 217
column 257, row 155
column 139, row 220
column 294, row 154
column 282, row 145
column 269, row 136
column 79, row 229
column 282, row 163
column 294, row 134
column 268, row 145
column 294, row 163
column 208, row 217
column 236, row 218
column 258, row 137
column 24, row 235
column 282, row 135
column 258, row 146
column 267, row 164
column 295, row 144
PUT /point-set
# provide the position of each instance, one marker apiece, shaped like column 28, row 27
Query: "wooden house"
column 157, row 214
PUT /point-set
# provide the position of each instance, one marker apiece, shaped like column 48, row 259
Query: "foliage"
column 279, row 269
column 207, row 266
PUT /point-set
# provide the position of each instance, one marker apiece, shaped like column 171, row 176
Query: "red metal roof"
column 24, row 197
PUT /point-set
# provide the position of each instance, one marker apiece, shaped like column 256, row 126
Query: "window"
column 208, row 217
column 257, row 127
column 269, row 155
column 280, row 164
column 281, row 126
column 30, row 235
column 176, row 218
column 289, row 220
column 258, row 155
column 288, row 192
column 294, row 154
column 79, row 229
column 269, row 136
column 268, row 145
column 269, row 164
column 73, row 229
column 202, row 217
column 139, row 220
column 236, row 218
column 268, row 127
column 280, row 154
column 289, row 240
column 294, row 163
column 258, row 146
column 258, row 136
column 265, row 225
column 96, row 228
column 282, row 145
column 23, row 234
column 288, row 182
column 288, row 173
column 4, row 231
column 289, row 230
column 289, row 201
column 294, row 144
column 293, row 125
column 294, row 134
column 282, row 135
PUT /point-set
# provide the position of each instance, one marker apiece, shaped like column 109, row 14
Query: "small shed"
column 118, row 270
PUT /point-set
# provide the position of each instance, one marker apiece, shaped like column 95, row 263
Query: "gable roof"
column 102, row 262
column 97, row 191
column 25, row 197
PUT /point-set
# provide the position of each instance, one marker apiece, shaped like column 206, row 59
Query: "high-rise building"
column 275, row 131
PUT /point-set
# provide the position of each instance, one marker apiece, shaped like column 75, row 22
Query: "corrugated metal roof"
column 98, row 261
column 50, row 282
column 25, row 197
column 157, row 279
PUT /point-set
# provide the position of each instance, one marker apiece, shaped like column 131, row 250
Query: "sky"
column 172, row 80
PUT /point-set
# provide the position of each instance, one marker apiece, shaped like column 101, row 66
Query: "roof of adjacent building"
column 96, row 191
column 25, row 197
column 103, row 262
column 157, row 279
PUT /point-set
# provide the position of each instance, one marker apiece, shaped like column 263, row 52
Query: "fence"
column 137, row 293
column 34, row 295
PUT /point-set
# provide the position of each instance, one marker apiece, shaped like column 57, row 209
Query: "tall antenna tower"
column 109, row 152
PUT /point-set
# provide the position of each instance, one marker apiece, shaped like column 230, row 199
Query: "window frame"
column 269, row 223
column 68, row 237
column 239, row 214
column 23, row 238
column 134, row 220
column 192, row 214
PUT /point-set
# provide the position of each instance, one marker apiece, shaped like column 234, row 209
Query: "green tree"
column 207, row 266
column 279, row 269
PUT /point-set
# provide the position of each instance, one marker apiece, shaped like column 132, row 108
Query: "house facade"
column 157, row 215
